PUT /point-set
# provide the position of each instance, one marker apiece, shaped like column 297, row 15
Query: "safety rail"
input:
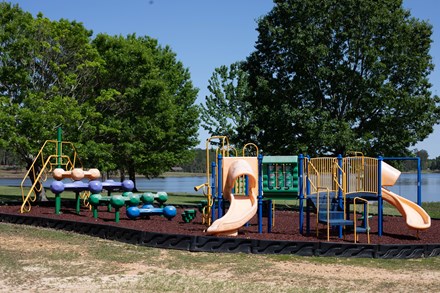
column 26, row 206
column 362, row 175
column 318, row 209
column 365, row 213
column 206, row 187
column 312, row 177
column 324, row 166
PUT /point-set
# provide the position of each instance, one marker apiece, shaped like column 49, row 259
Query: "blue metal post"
column 419, row 174
column 419, row 182
column 213, row 190
column 260, row 193
column 269, row 216
column 340, row 194
column 220, row 187
column 379, row 196
column 307, row 206
column 301, row 192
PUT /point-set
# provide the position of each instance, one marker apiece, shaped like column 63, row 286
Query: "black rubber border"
column 229, row 245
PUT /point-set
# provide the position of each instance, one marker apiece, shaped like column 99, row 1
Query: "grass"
column 48, row 260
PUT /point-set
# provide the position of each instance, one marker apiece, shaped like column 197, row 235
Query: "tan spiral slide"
column 242, row 207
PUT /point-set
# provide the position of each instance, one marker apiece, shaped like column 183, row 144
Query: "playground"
column 340, row 207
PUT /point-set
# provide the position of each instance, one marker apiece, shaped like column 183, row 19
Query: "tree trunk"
column 132, row 176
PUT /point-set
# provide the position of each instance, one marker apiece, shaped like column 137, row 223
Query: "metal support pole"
column 419, row 182
column 77, row 203
column 213, row 191
column 59, row 147
column 340, row 194
column 260, row 193
column 57, row 203
column 379, row 197
column 301, row 192
column 220, row 187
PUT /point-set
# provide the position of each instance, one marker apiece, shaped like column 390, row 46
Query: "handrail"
column 366, row 219
column 250, row 144
column 310, row 164
column 328, row 211
column 41, row 155
column 336, row 180
column 26, row 206
column 206, row 219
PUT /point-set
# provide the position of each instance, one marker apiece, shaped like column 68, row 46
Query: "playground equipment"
column 53, row 153
column 76, row 174
column 243, row 198
column 189, row 215
column 331, row 185
column 280, row 177
column 242, row 207
column 148, row 198
column 57, row 187
column 148, row 210
column 127, row 198
column 209, row 188
column 115, row 201
column 334, row 187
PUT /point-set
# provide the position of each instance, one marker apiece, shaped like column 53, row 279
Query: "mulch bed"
column 286, row 225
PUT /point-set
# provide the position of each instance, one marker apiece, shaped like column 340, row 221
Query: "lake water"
column 406, row 186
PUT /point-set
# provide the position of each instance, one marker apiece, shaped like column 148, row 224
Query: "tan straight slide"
column 242, row 207
column 415, row 216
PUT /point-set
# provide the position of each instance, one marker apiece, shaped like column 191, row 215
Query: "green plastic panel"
column 280, row 177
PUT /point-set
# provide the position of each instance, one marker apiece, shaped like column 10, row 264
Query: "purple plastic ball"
column 127, row 185
column 133, row 212
column 57, row 187
column 169, row 212
column 95, row 186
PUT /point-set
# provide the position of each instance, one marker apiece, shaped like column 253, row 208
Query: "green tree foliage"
column 332, row 76
column 149, row 120
column 411, row 165
column 223, row 111
column 435, row 164
column 126, row 103
column 46, row 74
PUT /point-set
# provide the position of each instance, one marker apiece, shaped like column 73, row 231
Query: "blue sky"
column 205, row 34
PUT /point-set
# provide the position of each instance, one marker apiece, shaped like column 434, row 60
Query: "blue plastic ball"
column 95, row 186
column 127, row 185
column 57, row 187
column 169, row 212
column 148, row 206
column 133, row 212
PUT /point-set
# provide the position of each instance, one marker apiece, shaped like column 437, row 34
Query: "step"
column 362, row 229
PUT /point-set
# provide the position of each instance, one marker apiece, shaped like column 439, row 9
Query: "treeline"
column 198, row 164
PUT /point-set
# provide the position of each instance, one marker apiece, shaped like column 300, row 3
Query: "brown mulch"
column 286, row 226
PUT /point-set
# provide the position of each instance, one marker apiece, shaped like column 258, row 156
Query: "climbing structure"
column 53, row 154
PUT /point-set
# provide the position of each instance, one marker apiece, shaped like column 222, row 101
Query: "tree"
column 127, row 103
column 338, row 75
column 47, row 71
column 148, row 118
column 423, row 155
column 435, row 164
column 222, row 113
